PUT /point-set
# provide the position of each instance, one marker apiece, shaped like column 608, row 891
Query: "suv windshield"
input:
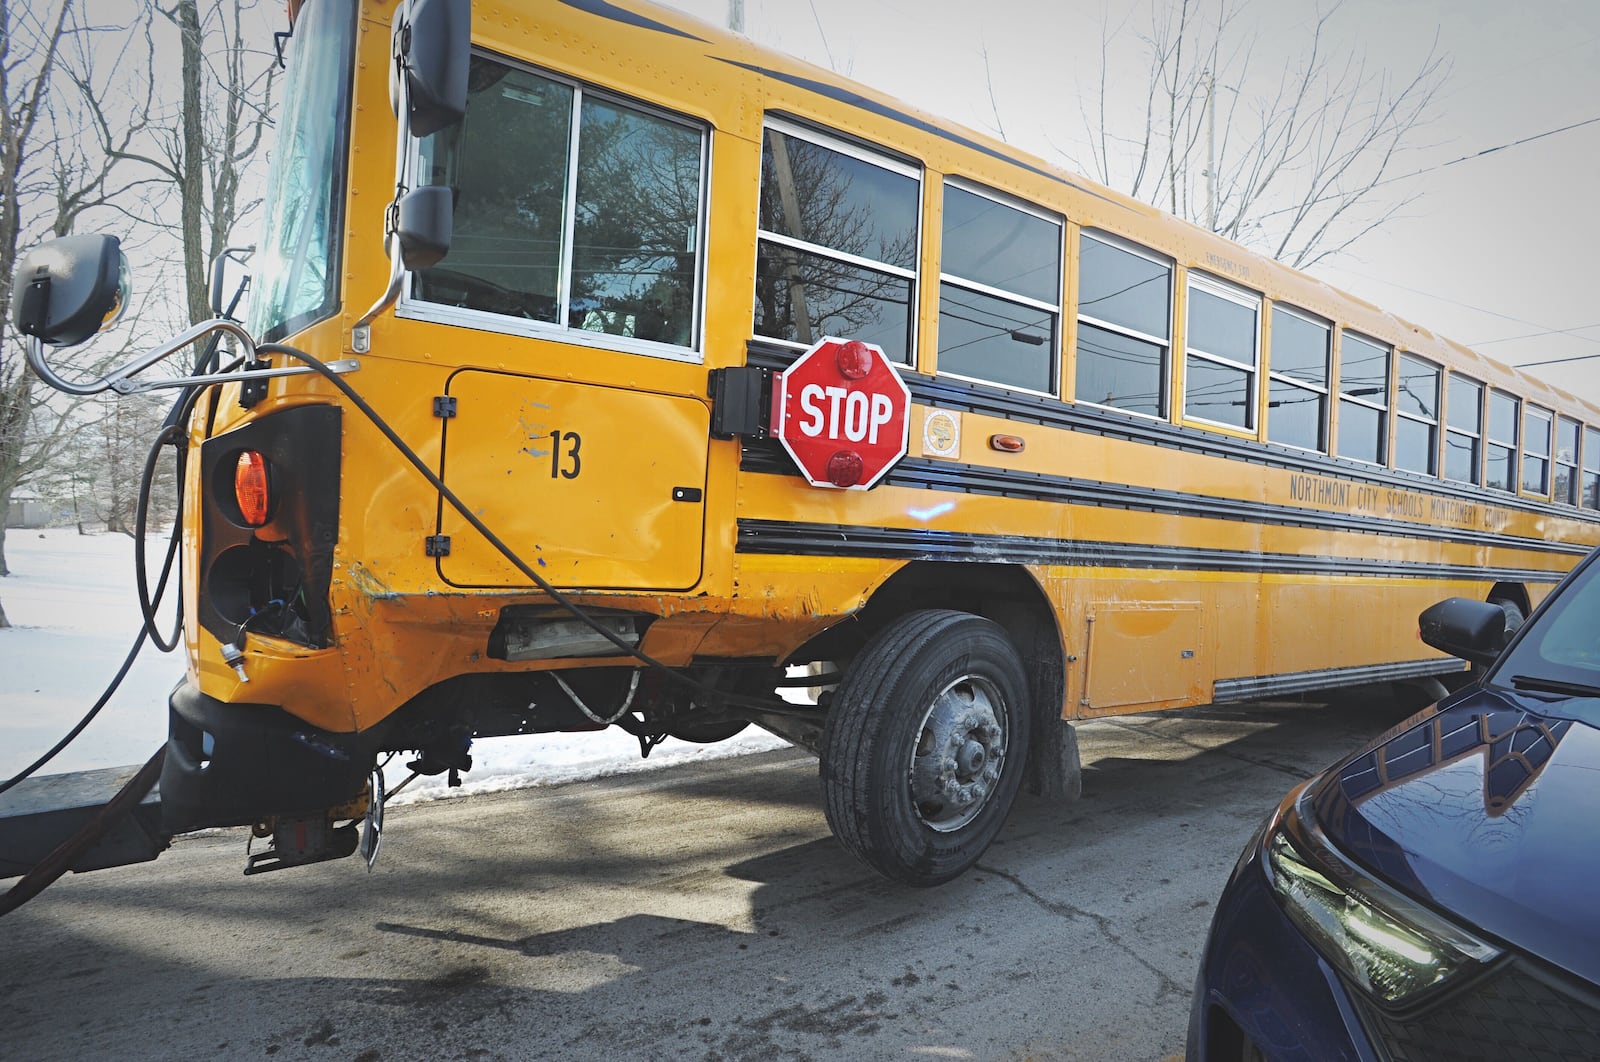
column 297, row 268
column 1559, row 652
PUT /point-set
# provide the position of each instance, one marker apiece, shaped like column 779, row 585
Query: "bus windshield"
column 297, row 267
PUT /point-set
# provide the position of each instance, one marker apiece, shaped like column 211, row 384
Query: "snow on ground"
column 74, row 614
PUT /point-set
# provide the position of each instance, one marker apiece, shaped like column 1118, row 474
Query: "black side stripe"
column 896, row 543
column 1254, row 689
column 616, row 14
column 1003, row 403
column 961, row 478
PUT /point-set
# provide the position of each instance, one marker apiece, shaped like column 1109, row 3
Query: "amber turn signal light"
column 250, row 487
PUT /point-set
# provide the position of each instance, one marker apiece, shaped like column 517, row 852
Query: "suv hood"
column 1488, row 809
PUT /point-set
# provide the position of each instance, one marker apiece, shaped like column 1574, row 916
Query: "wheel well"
column 1515, row 593
column 1008, row 594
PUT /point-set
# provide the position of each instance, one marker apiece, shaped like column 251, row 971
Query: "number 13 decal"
column 566, row 464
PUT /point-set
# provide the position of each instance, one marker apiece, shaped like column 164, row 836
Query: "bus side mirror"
column 433, row 49
column 423, row 226
column 70, row 288
column 1471, row 630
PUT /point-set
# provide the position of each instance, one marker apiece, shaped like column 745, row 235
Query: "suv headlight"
column 1389, row 945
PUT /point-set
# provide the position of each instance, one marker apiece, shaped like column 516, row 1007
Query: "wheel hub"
column 959, row 754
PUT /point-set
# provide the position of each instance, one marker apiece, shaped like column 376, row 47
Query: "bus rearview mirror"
column 423, row 226
column 70, row 288
column 433, row 49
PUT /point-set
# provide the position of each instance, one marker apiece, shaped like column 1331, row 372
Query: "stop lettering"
column 843, row 413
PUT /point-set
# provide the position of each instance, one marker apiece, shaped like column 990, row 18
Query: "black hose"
column 122, row 672
column 147, row 605
column 170, row 432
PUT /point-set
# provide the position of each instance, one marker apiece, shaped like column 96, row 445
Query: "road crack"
column 1166, row 985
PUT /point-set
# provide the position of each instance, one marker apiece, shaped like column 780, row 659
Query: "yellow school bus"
column 500, row 452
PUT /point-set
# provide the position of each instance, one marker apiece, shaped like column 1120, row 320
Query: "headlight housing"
column 1393, row 948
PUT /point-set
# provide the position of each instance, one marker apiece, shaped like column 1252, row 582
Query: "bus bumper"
column 239, row 764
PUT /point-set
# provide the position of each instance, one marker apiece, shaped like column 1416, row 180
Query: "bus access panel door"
column 596, row 487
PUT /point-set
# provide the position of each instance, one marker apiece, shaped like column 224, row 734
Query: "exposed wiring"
column 709, row 693
column 627, row 701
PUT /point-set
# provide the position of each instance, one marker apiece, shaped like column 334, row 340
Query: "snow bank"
column 72, row 604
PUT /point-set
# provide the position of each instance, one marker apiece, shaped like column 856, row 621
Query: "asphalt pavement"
column 701, row 912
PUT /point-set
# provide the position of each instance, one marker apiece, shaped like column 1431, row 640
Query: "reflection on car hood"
column 1488, row 810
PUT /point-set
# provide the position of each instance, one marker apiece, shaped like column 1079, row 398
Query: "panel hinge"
column 741, row 402
column 444, row 406
column 437, row 545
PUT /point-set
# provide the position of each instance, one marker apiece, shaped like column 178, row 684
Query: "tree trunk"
column 192, row 187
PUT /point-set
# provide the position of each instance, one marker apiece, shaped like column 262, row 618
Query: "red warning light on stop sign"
column 842, row 413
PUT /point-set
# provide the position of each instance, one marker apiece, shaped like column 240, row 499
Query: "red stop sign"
column 843, row 414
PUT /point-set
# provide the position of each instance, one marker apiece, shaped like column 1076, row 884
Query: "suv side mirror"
column 1475, row 631
column 433, row 46
column 70, row 288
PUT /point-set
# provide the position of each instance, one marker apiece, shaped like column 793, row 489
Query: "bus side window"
column 837, row 248
column 1124, row 326
column 1416, row 408
column 1297, row 397
column 1223, row 340
column 999, row 291
column 1363, row 399
column 1500, row 467
column 1536, row 451
column 1591, row 469
column 632, row 203
column 1463, row 437
column 1568, row 433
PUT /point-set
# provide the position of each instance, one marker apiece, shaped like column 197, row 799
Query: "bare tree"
column 48, row 181
column 1288, row 163
column 210, row 137
column 111, row 453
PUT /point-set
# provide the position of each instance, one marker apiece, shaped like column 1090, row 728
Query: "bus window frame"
column 1574, row 479
column 410, row 307
column 1385, row 410
column 1324, row 428
column 874, row 155
column 1240, row 296
column 1057, row 343
column 1079, row 317
column 1479, row 435
column 1531, row 412
column 1589, row 466
column 1435, row 462
column 1514, row 445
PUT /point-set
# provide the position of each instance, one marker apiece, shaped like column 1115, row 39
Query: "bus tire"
column 910, row 777
column 1514, row 616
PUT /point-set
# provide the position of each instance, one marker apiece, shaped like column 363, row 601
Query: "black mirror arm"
column 119, row 379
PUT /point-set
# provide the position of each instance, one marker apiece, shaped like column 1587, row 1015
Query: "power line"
column 1554, row 361
column 1443, row 165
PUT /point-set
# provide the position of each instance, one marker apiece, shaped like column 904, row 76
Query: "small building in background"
column 30, row 509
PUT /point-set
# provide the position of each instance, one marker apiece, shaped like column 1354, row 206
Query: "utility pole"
column 1211, row 150
column 736, row 15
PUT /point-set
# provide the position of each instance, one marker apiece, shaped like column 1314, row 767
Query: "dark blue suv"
column 1435, row 896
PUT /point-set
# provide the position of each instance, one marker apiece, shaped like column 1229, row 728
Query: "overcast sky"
column 1496, row 248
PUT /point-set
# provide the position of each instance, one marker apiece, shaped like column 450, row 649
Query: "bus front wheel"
column 925, row 745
